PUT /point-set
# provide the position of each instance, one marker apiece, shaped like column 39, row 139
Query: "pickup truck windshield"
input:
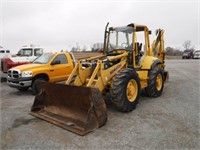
column 43, row 59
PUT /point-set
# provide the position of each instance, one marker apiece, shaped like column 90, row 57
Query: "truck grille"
column 14, row 74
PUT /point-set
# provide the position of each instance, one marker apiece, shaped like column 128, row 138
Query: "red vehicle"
column 25, row 55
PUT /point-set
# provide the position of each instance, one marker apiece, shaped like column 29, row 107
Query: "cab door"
column 60, row 68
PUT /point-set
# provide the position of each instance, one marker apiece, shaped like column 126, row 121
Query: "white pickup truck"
column 24, row 56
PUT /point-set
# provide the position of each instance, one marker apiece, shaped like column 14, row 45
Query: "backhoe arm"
column 158, row 45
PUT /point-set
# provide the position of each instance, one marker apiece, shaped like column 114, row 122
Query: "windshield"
column 25, row 52
column 120, row 38
column 197, row 52
column 187, row 51
column 43, row 59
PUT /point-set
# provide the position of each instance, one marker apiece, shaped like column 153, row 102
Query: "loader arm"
column 97, row 73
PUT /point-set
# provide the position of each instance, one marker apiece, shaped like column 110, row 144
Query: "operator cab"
column 120, row 38
column 128, row 38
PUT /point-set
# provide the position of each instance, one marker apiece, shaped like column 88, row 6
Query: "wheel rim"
column 159, row 81
column 132, row 90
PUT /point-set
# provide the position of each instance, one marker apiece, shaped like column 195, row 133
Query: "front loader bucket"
column 75, row 108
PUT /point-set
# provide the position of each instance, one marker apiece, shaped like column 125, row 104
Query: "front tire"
column 35, row 89
column 155, row 82
column 125, row 90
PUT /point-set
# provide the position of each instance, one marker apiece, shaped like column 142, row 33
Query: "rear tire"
column 125, row 90
column 35, row 89
column 155, row 82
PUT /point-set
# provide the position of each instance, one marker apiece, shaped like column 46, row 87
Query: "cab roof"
column 138, row 27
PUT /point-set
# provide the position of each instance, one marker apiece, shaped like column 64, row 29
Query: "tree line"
column 187, row 45
column 170, row 51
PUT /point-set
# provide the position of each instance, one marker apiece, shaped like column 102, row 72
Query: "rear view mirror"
column 55, row 62
column 19, row 53
column 149, row 31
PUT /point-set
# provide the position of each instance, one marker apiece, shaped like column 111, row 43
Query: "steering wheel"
column 124, row 44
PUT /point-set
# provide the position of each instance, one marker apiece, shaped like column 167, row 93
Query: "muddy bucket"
column 75, row 108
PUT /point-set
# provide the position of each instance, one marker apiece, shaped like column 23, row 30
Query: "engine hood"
column 30, row 67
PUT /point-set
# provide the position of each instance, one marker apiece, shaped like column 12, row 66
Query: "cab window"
column 38, row 51
column 62, row 58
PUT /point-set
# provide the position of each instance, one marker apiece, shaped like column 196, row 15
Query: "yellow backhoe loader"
column 124, row 68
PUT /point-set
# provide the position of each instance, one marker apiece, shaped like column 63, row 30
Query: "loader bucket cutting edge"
column 74, row 108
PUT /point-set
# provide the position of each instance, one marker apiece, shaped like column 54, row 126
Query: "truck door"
column 60, row 69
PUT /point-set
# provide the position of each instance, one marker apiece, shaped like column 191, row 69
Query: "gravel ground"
column 168, row 122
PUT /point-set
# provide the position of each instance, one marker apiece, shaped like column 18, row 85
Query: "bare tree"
column 187, row 45
column 169, row 51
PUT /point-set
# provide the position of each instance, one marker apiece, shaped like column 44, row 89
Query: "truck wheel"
column 34, row 87
column 125, row 90
column 23, row 89
column 155, row 82
column 3, row 79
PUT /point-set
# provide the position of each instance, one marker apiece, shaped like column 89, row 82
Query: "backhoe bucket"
column 75, row 108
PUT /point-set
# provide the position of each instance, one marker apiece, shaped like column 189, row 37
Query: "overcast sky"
column 56, row 25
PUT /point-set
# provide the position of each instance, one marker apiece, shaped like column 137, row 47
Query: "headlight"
column 27, row 74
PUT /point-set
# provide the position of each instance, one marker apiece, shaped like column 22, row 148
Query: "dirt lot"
column 168, row 122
